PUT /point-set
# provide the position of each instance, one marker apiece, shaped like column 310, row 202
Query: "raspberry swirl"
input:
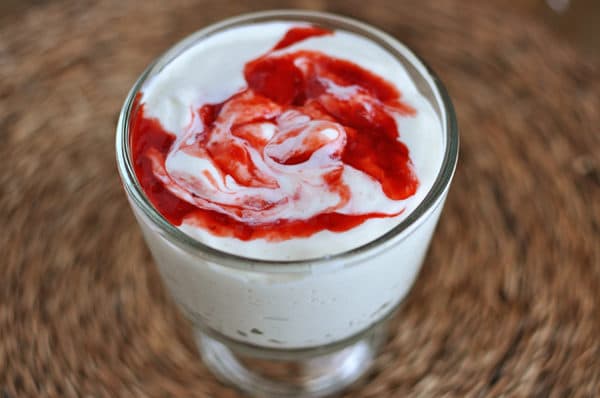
column 310, row 144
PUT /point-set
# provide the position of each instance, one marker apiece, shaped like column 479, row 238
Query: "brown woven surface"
column 508, row 299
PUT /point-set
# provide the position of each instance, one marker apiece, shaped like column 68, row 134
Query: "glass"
column 293, row 328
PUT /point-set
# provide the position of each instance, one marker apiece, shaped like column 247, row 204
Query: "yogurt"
column 281, row 172
column 285, row 141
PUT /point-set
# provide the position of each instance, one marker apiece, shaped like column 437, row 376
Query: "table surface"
column 506, row 304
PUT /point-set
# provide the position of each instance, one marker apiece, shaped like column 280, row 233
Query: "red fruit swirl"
column 304, row 118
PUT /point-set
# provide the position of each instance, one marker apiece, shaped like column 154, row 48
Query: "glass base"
column 295, row 373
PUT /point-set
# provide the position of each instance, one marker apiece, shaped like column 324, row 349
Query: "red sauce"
column 146, row 134
column 295, row 35
column 277, row 83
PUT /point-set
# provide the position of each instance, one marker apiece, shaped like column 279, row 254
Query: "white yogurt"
column 324, row 303
column 212, row 71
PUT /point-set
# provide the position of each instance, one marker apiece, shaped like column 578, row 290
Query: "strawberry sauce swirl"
column 274, row 161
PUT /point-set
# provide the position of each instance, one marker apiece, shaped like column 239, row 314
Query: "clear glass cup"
column 293, row 328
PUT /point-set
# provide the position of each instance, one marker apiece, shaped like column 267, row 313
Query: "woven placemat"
column 509, row 296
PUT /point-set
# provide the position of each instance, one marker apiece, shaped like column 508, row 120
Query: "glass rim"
column 417, row 216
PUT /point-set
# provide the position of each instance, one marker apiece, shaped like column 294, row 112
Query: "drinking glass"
column 292, row 328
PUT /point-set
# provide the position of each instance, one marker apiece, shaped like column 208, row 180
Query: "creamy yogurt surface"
column 283, row 141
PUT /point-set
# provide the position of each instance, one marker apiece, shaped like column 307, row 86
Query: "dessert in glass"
column 287, row 170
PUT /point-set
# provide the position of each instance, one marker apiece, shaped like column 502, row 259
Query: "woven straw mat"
column 508, row 299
